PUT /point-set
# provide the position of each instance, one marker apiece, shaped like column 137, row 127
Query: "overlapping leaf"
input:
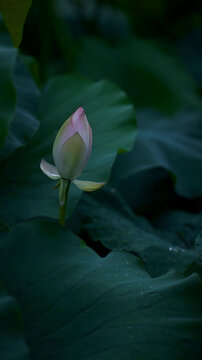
column 78, row 305
column 170, row 244
column 24, row 123
column 19, row 98
column 25, row 191
column 172, row 143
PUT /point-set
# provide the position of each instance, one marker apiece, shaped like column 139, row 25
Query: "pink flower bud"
column 73, row 145
column 71, row 151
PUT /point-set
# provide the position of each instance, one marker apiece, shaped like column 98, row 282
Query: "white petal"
column 49, row 169
column 88, row 185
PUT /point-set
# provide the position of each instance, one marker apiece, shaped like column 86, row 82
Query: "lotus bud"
column 73, row 145
column 71, row 151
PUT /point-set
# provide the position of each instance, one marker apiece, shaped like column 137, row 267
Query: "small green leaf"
column 15, row 13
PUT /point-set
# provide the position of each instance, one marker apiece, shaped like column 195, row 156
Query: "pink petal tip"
column 78, row 113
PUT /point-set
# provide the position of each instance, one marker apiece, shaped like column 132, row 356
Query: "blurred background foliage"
column 56, row 33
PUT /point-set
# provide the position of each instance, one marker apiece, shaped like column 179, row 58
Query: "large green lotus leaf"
column 167, row 243
column 15, row 13
column 7, row 89
column 173, row 143
column 150, row 74
column 25, row 191
column 12, row 343
column 77, row 305
column 24, row 123
column 182, row 231
column 181, row 224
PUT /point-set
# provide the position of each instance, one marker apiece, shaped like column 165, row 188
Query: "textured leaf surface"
column 112, row 118
column 168, row 243
column 80, row 306
column 172, row 143
column 12, row 344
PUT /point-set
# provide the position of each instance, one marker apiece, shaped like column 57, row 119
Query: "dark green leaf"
column 7, row 89
column 24, row 123
column 77, row 305
column 12, row 344
column 171, row 244
column 29, row 193
column 172, row 143
column 196, row 266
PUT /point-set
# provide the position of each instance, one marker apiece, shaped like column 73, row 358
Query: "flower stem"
column 64, row 205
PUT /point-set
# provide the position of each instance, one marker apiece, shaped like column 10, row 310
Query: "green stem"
column 63, row 207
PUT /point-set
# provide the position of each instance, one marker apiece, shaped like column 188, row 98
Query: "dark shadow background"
column 55, row 29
